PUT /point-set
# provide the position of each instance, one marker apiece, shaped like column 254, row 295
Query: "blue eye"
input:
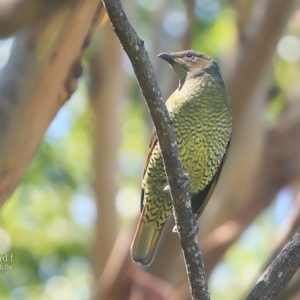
column 190, row 55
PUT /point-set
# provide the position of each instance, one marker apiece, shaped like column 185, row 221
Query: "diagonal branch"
column 279, row 273
column 134, row 47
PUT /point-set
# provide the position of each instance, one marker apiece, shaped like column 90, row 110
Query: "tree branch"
column 279, row 273
column 134, row 47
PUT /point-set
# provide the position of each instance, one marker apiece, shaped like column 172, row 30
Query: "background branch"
column 255, row 55
column 40, row 55
column 107, row 88
column 17, row 14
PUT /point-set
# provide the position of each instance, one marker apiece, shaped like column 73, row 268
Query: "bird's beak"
column 166, row 56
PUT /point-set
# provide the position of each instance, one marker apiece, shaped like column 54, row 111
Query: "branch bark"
column 279, row 273
column 134, row 47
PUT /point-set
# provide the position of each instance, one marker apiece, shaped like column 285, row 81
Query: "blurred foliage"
column 48, row 222
column 216, row 37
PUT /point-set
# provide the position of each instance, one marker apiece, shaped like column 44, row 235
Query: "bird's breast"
column 202, row 123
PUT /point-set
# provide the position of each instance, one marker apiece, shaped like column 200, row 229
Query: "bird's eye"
column 190, row 55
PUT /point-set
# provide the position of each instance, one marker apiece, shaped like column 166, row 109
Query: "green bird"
column 201, row 116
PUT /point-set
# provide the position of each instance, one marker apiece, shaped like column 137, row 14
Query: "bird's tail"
column 145, row 242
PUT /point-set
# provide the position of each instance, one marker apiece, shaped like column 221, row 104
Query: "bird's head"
column 188, row 63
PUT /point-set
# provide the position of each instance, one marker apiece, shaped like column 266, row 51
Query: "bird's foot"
column 195, row 228
column 186, row 185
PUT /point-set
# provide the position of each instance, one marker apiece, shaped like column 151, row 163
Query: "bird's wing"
column 200, row 199
column 152, row 143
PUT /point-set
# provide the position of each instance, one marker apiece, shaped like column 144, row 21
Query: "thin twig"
column 279, row 272
column 134, row 47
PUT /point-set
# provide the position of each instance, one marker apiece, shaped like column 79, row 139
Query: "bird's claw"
column 186, row 182
column 194, row 230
